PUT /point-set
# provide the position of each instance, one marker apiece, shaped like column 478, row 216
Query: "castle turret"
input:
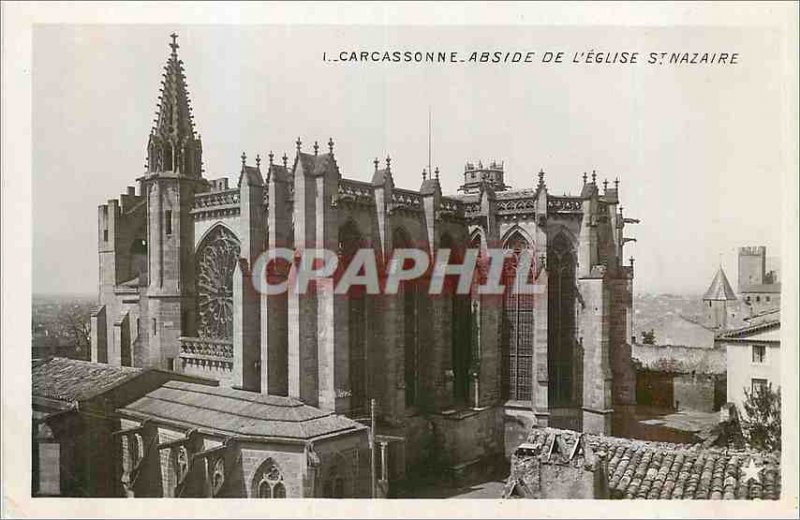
column 476, row 175
column 715, row 301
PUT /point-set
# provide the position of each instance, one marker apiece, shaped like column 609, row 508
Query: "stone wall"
column 694, row 392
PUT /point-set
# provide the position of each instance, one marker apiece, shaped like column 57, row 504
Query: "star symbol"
column 752, row 471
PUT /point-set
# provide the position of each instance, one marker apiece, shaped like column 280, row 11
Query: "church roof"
column 720, row 288
column 70, row 380
column 660, row 470
column 237, row 412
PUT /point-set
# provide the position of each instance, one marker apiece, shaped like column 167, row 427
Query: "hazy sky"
column 697, row 148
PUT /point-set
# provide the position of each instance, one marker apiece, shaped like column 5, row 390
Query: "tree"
column 761, row 421
column 75, row 325
column 649, row 337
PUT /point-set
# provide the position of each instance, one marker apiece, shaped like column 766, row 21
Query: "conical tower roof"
column 720, row 288
column 174, row 116
column 173, row 145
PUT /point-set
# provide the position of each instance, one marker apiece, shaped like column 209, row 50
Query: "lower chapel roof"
column 238, row 412
column 70, row 380
column 659, row 470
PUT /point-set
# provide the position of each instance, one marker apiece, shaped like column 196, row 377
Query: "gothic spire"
column 175, row 113
column 173, row 144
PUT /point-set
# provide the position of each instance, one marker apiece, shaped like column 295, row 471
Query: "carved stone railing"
column 355, row 192
column 521, row 205
column 449, row 205
column 472, row 208
column 216, row 198
column 207, row 352
column 564, row 204
column 216, row 203
column 405, row 199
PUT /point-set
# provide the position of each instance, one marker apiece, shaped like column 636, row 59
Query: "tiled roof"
column 750, row 329
column 659, row 470
column 720, row 288
column 238, row 412
column 74, row 380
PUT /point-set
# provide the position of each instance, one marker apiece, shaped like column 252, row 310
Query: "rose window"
column 216, row 261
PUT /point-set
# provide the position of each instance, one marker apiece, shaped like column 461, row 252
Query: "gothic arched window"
column 269, row 481
column 408, row 291
column 517, row 332
column 561, row 339
column 334, row 483
column 216, row 260
column 350, row 241
column 460, row 326
column 218, row 476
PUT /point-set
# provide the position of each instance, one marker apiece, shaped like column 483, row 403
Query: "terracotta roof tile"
column 659, row 470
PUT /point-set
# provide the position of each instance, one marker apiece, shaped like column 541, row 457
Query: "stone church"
column 466, row 374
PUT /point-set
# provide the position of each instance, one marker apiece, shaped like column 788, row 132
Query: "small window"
column 105, row 235
column 168, row 221
column 154, row 327
column 747, row 299
column 758, row 298
column 171, row 364
column 768, row 298
column 759, row 352
column 757, row 384
column 709, row 304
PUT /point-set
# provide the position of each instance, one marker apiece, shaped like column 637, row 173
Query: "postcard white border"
column 18, row 19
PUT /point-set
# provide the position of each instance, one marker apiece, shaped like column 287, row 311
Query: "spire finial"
column 388, row 163
column 605, row 184
column 271, row 157
column 316, row 147
column 258, row 161
column 436, row 171
column 174, row 45
column 541, row 177
column 244, row 158
column 631, row 259
column 298, row 143
column 594, row 177
column 330, row 145
column 285, row 160
column 616, row 184
column 584, row 177
column 424, row 174
column 376, row 162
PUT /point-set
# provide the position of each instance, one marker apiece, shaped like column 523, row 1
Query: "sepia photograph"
column 403, row 254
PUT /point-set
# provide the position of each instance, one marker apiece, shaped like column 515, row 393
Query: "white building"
column 753, row 355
